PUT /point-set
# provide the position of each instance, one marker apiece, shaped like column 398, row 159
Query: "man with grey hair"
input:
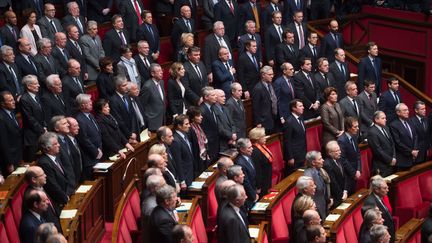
column 60, row 53
column 48, row 23
column 75, row 149
column 232, row 223
column 380, row 234
column 143, row 59
column 305, row 186
column 223, row 164
column 74, row 17
column 137, row 107
column 73, row 83
column 24, row 60
column 52, row 100
column 92, row 49
column 9, row 73
column 244, row 159
column 153, row 98
column 235, row 109
column 164, row 216
column 89, row 136
column 264, row 102
column 226, row 128
column 310, row 217
column 153, row 183
column 45, row 62
column 32, row 114
column 209, row 123
column 212, row 44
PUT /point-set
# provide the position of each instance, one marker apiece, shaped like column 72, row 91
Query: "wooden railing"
column 409, row 232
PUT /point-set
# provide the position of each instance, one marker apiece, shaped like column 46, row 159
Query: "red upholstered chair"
column 313, row 139
column 425, row 181
column 340, row 236
column 278, row 162
column 11, row 228
column 409, row 203
column 166, row 51
column 198, row 227
column 3, row 235
column 281, row 218
column 349, row 230
column 212, row 206
column 124, row 236
column 357, row 219
column 136, row 205
column 265, row 237
column 363, row 181
column 16, row 204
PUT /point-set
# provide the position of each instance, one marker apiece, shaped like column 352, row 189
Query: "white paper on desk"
column 254, row 232
column 184, row 207
column 259, row 206
column 19, row 170
column 144, row 135
column 68, row 213
column 206, row 175
column 343, row 206
column 197, row 184
column 83, row 189
column 114, row 157
column 390, row 177
column 214, row 166
column 332, row 217
column 102, row 166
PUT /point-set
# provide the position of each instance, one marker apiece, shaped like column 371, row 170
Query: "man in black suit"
column 99, row 11
column 307, row 89
column 287, row 51
column 338, row 171
column 290, row 7
column 165, row 137
column 367, row 100
column 250, row 35
column 340, row 71
column 299, row 28
column 115, row 37
column 138, row 109
column 89, row 136
column 312, row 49
column 350, row 105
column 212, row 44
column 131, row 12
column 273, row 37
column 196, row 76
column 369, row 67
column 324, row 77
column 37, row 204
column 143, row 59
column 57, row 181
column 331, row 41
column 226, row 128
column 379, row 190
column 320, row 9
column 405, row 138
column 9, row 32
column 149, row 32
column 75, row 150
column 45, row 62
column 232, row 223
column 264, row 102
column 235, row 109
column 164, row 217
column 11, row 138
column 53, row 100
column 9, row 72
column 184, row 24
column 274, row 5
column 60, row 53
column 75, row 49
column 382, row 145
column 209, row 123
column 294, row 135
column 153, row 98
column 32, row 114
column 248, row 67
column 74, row 17
column 245, row 149
column 38, row 6
column 24, row 60
column 229, row 13
column 178, row 4
column 49, row 24
column 73, row 84
column 223, row 71
column 284, row 89
column 251, row 10
column 182, row 150
column 390, row 98
column 350, row 152
column 421, row 127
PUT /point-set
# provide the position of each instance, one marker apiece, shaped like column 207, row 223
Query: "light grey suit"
column 92, row 52
column 47, row 29
column 154, row 105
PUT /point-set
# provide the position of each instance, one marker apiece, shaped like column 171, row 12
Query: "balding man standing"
column 24, row 60
column 73, row 84
column 48, row 23
column 60, row 53
column 53, row 100
column 223, row 164
column 37, row 204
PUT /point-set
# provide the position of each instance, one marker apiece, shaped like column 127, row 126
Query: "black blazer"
column 143, row 71
column 95, row 8
column 262, row 107
column 105, row 85
column 89, row 139
column 60, row 60
column 47, row 30
column 283, row 54
column 57, row 182
column 210, row 127
column 307, row 93
column 423, row 140
column 290, row 7
column 340, row 78
column 242, row 45
column 193, row 81
column 175, row 99
column 75, row 159
column 231, row 229
column 338, row 179
column 161, row 224
column 323, row 83
column 293, row 27
column 153, row 39
column 225, row 126
column 271, row 40
column 24, row 67
column 53, row 106
column 10, row 141
column 238, row 116
column 71, row 89
column 125, row 117
column 366, row 71
column 248, row 74
column 263, row 165
column 130, row 17
column 246, row 13
column 33, row 119
column 46, row 68
column 183, row 157
column 112, row 138
column 211, row 50
column 404, row 142
column 250, row 179
column 67, row 164
column 7, row 81
column 8, row 38
column 68, row 20
column 387, row 103
column 328, row 44
column 306, row 51
column 77, row 54
column 231, row 21
column 178, row 29
column 352, row 157
column 294, row 142
column 370, row 202
column 112, row 42
column 28, row 226
column 383, row 150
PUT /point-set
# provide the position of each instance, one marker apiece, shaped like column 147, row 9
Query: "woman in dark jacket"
column 113, row 140
column 176, row 90
column 104, row 82
column 199, row 140
column 262, row 158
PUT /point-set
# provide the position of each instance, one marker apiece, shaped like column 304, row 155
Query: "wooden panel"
column 407, row 232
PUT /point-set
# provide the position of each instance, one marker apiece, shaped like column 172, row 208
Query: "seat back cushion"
column 425, row 181
column 408, row 193
column 11, row 229
column 212, row 206
column 3, row 235
column 198, row 227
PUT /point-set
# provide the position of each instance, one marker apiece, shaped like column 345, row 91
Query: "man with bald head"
column 157, row 161
column 37, row 204
column 75, row 49
column 60, row 53
column 310, row 217
column 49, row 24
column 223, row 164
column 75, row 149
column 24, row 60
column 73, row 84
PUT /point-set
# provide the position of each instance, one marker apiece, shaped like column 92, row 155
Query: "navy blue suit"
column 248, row 74
column 271, row 40
column 405, row 142
column 262, row 108
column 153, row 40
column 242, row 45
column 249, row 182
column 210, row 127
column 294, row 142
column 28, row 226
column 125, row 117
column 328, row 45
column 24, row 67
column 183, row 156
column 10, row 141
column 352, row 156
column 423, row 140
column 387, row 103
column 367, row 71
column 222, row 77
column 307, row 93
column 284, row 94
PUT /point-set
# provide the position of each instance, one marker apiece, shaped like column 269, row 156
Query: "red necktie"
column 231, row 6
column 137, row 10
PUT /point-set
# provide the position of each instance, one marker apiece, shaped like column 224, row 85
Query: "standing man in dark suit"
column 320, row 9
column 290, row 7
column 235, row 109
column 32, row 117
column 75, row 49
column 38, row 6
column 312, row 49
column 89, row 136
column 324, row 77
column 390, row 98
column 382, row 145
column 350, row 152
column 73, row 84
column 24, row 60
column 340, row 71
column 274, row 5
column 9, row 32
column 212, row 44
column 149, row 32
column 228, row 12
column 37, row 204
column 208, row 15
column 210, row 123
column 299, row 28
column 226, row 128
column 74, row 17
column 273, row 37
column 131, row 12
column 251, row 10
column 331, row 41
column 153, row 97
column 223, row 71
column 368, row 104
column 294, row 137
column 9, row 73
column 287, row 51
column 60, row 53
column 49, row 24
column 75, row 149
column 53, row 101
column 264, row 102
column 164, row 217
column 350, row 105
column 307, row 89
column 92, row 50
column 82, row 4
column 196, row 76
column 115, row 38
column 45, row 62
column 184, row 24
column 232, row 224
column 248, row 67
column 99, row 11
column 138, row 109
column 11, row 138
column 405, row 138
column 284, row 89
column 143, row 60
column 250, row 35
column 178, row 4
column 370, row 67
column 421, row 127
column 379, row 190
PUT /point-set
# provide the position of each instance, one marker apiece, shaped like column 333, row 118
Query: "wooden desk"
column 262, row 227
column 408, row 230
column 88, row 223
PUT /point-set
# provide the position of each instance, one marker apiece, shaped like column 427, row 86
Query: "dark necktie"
column 301, row 123
column 188, row 25
column 65, row 55
column 240, row 104
column 255, row 62
column 53, row 25
column 273, row 99
column 32, row 63
column 355, row 107
column 15, row 79
column 408, row 128
column 57, row 163
column 326, row 79
column 198, row 71
column 396, row 97
column 150, row 31
column 78, row 83
column 353, row 144
column 125, row 103
column 146, row 64
column 385, row 133
column 310, row 80
column 188, row 143
column 424, row 124
column 90, row 117
column 13, row 32
column 122, row 38
column 12, row 116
